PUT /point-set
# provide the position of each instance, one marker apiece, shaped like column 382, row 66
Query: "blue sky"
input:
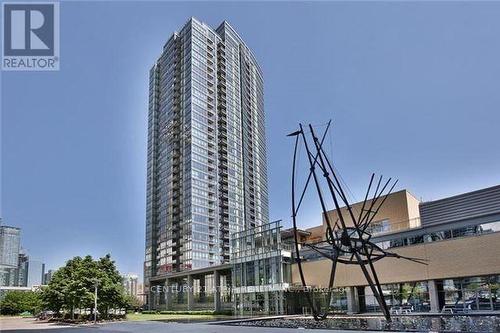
column 412, row 88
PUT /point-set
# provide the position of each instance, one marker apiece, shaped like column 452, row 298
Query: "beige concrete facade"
column 317, row 233
column 400, row 209
column 452, row 258
column 453, row 252
column 460, row 257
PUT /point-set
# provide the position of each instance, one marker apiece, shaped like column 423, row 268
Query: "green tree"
column 132, row 302
column 110, row 292
column 72, row 286
column 16, row 302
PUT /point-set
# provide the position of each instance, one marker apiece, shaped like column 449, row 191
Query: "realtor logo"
column 30, row 36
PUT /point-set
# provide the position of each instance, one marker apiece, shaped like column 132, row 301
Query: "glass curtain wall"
column 473, row 293
column 413, row 296
column 258, row 270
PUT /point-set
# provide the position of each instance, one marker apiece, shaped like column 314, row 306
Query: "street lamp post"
column 96, row 283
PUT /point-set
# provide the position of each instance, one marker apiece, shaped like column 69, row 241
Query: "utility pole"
column 96, row 283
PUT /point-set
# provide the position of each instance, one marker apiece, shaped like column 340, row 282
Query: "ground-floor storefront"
column 208, row 289
column 259, row 303
column 480, row 293
column 265, row 282
column 460, row 271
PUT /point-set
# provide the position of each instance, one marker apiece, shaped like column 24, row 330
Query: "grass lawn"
column 157, row 316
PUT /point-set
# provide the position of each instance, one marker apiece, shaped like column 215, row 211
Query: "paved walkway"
column 17, row 323
column 20, row 325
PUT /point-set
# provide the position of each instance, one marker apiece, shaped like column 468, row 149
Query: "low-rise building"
column 457, row 237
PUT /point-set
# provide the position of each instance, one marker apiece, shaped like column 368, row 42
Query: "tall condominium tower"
column 206, row 172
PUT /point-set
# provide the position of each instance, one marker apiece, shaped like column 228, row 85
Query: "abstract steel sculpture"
column 344, row 244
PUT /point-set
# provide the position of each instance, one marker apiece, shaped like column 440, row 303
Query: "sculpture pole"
column 341, row 239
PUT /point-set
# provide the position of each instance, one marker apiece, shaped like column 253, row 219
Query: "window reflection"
column 474, row 293
column 466, row 231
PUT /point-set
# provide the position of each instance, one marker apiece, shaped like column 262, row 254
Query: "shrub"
column 17, row 302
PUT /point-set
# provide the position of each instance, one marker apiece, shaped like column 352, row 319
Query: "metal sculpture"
column 344, row 244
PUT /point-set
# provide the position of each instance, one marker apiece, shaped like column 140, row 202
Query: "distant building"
column 36, row 271
column 130, row 284
column 10, row 243
column 7, row 276
column 22, row 270
column 141, row 295
column 48, row 276
column 16, row 268
column 10, row 240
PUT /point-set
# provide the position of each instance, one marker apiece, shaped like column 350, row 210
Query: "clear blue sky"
column 413, row 89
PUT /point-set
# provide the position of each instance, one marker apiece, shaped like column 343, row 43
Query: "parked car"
column 45, row 315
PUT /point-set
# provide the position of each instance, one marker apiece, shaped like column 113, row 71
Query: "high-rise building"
column 22, row 270
column 141, row 295
column 48, row 276
column 130, row 284
column 36, row 272
column 207, row 169
column 10, row 240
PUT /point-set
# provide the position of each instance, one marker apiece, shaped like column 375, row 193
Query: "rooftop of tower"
column 224, row 25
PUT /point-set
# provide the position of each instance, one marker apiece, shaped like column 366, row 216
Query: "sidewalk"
column 20, row 323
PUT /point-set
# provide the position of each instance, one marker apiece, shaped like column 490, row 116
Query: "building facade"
column 16, row 268
column 458, row 237
column 10, row 243
column 36, row 273
column 47, row 277
column 261, row 269
column 206, row 172
column 208, row 240
column 130, row 284
column 22, row 270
